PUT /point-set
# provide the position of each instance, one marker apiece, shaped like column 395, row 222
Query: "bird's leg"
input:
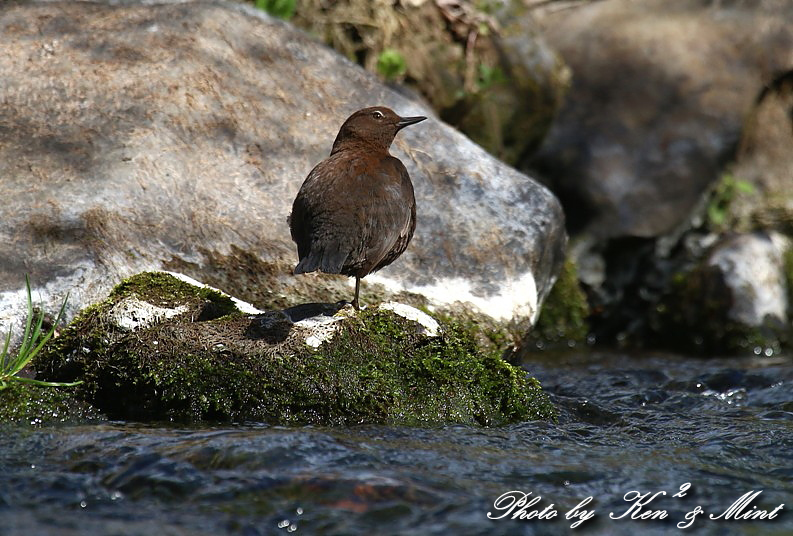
column 357, row 289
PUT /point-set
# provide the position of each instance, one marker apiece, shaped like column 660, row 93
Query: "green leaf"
column 31, row 381
column 744, row 187
column 716, row 215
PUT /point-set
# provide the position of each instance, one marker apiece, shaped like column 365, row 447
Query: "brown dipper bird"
column 355, row 212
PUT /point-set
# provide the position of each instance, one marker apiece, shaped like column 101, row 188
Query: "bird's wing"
column 396, row 216
column 320, row 222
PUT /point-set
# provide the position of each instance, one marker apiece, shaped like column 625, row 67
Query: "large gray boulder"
column 175, row 135
column 659, row 97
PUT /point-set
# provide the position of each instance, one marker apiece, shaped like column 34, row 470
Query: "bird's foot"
column 356, row 305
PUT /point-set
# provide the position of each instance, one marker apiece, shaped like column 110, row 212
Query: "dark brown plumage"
column 355, row 212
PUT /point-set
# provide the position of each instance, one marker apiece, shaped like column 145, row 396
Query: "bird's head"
column 375, row 126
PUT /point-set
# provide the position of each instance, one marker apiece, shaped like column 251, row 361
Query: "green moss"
column 487, row 334
column 377, row 369
column 442, row 379
column 719, row 209
column 162, row 289
column 563, row 318
column 42, row 405
column 391, row 64
column 284, row 9
column 243, row 274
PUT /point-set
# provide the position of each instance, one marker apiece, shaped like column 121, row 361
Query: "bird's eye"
column 377, row 114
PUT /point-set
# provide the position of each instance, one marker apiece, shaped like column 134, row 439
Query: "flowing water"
column 628, row 426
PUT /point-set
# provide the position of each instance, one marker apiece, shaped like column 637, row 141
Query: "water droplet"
column 769, row 352
column 32, row 465
column 299, row 511
column 283, row 524
column 757, row 350
column 116, row 495
column 83, row 504
column 566, row 482
column 292, row 528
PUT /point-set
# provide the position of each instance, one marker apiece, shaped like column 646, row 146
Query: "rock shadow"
column 272, row 327
column 308, row 310
column 275, row 326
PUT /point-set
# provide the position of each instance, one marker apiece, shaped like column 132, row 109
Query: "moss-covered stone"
column 563, row 318
column 164, row 290
column 377, row 368
column 24, row 403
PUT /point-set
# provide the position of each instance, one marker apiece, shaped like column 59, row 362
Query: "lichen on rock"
column 213, row 362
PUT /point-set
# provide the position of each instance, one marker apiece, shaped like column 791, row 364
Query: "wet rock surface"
column 753, row 267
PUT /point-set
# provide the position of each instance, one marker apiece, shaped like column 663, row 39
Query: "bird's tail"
column 329, row 261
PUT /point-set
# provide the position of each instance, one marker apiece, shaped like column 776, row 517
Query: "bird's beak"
column 407, row 121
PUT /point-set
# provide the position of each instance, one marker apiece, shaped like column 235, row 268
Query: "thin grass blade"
column 32, row 343
column 23, row 358
column 47, row 384
column 49, row 334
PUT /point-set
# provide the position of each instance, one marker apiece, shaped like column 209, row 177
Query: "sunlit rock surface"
column 753, row 269
column 175, row 136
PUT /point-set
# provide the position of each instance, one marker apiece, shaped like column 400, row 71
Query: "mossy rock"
column 191, row 355
column 563, row 319
column 35, row 405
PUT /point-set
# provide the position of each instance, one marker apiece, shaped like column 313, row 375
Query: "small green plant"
column 725, row 192
column 489, row 76
column 283, row 9
column 391, row 64
column 32, row 342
